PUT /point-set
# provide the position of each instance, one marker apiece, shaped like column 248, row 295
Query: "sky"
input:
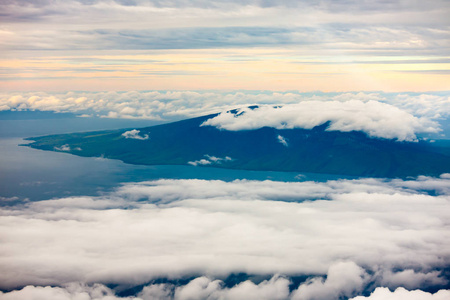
column 381, row 67
column 123, row 45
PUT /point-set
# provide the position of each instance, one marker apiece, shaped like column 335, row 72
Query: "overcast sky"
column 189, row 45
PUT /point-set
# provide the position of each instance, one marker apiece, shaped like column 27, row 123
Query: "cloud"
column 410, row 279
column 134, row 134
column 69, row 292
column 376, row 119
column 282, row 140
column 208, row 160
column 199, row 162
column 344, row 279
column 67, row 148
column 205, row 288
column 403, row 294
column 208, row 24
column 199, row 288
column 171, row 105
column 184, row 228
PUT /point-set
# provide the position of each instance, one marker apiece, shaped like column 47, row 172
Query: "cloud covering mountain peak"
column 376, row 119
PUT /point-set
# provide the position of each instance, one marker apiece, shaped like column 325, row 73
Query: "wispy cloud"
column 262, row 37
column 210, row 160
column 66, row 147
column 282, row 140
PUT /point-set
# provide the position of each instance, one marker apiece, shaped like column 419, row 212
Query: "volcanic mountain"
column 315, row 150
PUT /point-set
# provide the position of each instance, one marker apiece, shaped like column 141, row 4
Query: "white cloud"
column 344, row 279
column 403, row 294
column 72, row 291
column 389, row 26
column 200, row 162
column 374, row 118
column 63, row 148
column 174, row 228
column 170, row 105
column 157, row 292
column 204, row 288
column 134, row 134
column 282, row 140
column 66, row 147
column 210, row 160
column 199, row 288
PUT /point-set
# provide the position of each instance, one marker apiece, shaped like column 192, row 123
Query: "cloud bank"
column 168, row 105
column 361, row 233
column 376, row 119
column 205, row 288
column 171, row 106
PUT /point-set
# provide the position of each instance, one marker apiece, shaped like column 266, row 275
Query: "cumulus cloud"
column 204, row 288
column 134, row 134
column 374, row 118
column 403, row 294
column 68, row 292
column 176, row 228
column 210, row 160
column 335, row 287
column 344, row 279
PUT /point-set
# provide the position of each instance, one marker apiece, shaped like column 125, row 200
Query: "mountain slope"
column 301, row 150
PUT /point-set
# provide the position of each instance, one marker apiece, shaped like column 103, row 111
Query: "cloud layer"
column 383, row 233
column 280, row 45
column 407, row 113
column 203, row 288
column 374, row 118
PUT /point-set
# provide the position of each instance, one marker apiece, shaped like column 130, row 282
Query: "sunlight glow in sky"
column 202, row 45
